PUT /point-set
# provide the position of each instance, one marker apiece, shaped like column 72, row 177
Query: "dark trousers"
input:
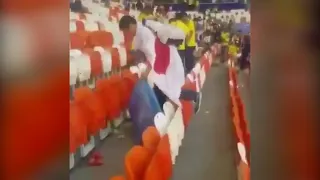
column 224, row 53
column 182, row 54
column 162, row 98
column 189, row 59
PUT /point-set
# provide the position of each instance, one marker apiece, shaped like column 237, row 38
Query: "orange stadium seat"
column 129, row 80
column 78, row 131
column 151, row 138
column 136, row 162
column 160, row 167
column 110, row 94
column 91, row 109
column 100, row 38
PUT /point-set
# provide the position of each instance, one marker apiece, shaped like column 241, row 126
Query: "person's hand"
column 145, row 74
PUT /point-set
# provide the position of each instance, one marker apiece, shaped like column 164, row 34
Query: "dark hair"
column 172, row 20
column 126, row 21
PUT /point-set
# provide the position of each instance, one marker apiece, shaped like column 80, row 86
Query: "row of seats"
column 101, row 79
column 240, row 126
column 155, row 158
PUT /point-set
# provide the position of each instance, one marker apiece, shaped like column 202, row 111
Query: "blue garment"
column 243, row 27
column 143, row 106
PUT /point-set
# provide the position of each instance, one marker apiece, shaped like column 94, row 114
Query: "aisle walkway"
column 208, row 150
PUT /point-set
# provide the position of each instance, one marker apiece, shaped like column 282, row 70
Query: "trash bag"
column 143, row 107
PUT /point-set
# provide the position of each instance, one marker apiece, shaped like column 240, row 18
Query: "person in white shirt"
column 167, row 85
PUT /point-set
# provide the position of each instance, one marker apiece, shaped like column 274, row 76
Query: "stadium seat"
column 78, row 129
column 91, row 109
column 80, row 25
column 105, row 58
column 136, row 162
column 95, row 62
column 111, row 95
column 84, row 67
column 151, row 138
column 78, row 40
column 116, row 64
column 100, row 38
column 187, row 112
column 160, row 167
column 91, row 26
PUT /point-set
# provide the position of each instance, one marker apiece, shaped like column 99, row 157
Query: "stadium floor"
column 207, row 151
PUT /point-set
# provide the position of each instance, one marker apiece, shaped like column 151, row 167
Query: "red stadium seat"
column 91, row 109
column 187, row 112
column 151, row 138
column 80, row 25
column 78, row 40
column 95, row 62
column 115, row 59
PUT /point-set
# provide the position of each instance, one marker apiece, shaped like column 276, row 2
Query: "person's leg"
column 189, row 59
column 182, row 54
column 162, row 98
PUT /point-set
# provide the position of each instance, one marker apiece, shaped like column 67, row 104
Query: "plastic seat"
column 178, row 124
column 129, row 79
column 100, row 38
column 122, row 55
column 151, row 138
column 84, row 67
column 205, row 63
column 118, row 178
column 80, row 25
column 172, row 132
column 91, row 26
column 78, row 40
column 160, row 167
column 202, row 77
column 187, row 112
column 73, row 72
column 110, row 94
column 95, row 62
column 82, row 16
column 116, row 63
column 78, row 130
column 136, row 162
column 91, row 109
column 164, row 152
column 106, row 59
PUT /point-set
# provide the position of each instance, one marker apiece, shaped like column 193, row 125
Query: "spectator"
column 245, row 53
column 179, row 24
column 190, row 42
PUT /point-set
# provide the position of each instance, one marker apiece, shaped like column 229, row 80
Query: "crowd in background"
column 199, row 32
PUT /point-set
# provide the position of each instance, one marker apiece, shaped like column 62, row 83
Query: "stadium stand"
column 102, row 78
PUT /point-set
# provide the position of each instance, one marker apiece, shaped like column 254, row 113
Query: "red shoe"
column 95, row 162
column 97, row 155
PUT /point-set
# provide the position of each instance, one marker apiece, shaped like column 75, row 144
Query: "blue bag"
column 143, row 107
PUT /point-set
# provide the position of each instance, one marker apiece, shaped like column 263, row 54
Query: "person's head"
column 128, row 24
column 172, row 20
column 185, row 17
